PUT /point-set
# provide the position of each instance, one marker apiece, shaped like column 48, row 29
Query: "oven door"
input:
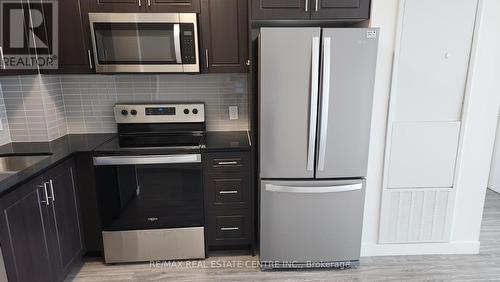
column 148, row 42
column 149, row 192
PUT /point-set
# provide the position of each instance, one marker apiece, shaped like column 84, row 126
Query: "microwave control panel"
column 188, row 43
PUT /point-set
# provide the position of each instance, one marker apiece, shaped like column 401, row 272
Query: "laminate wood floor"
column 482, row 267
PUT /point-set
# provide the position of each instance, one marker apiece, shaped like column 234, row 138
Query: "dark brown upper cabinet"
column 310, row 9
column 142, row 6
column 173, row 6
column 224, row 27
column 280, row 9
column 111, row 6
column 74, row 52
column 340, row 9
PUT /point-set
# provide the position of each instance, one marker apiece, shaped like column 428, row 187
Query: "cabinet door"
column 280, row 9
column 340, row 9
column 225, row 35
column 129, row 6
column 23, row 234
column 66, row 214
column 174, row 6
column 74, row 47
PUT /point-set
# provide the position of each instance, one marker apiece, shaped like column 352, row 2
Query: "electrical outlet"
column 233, row 112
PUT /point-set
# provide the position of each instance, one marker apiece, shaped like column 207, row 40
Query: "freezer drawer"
column 305, row 222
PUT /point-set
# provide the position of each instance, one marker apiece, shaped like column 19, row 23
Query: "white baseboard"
column 453, row 248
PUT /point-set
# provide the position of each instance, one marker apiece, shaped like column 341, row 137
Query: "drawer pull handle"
column 228, row 163
column 229, row 228
column 228, row 192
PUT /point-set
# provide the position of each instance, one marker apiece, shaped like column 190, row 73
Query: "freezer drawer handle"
column 228, row 192
column 310, row 190
column 154, row 159
column 229, row 228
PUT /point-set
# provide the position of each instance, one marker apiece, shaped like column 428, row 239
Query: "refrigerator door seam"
column 314, row 103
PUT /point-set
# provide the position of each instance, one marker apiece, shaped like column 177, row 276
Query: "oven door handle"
column 143, row 160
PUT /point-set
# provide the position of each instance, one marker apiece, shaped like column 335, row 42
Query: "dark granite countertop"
column 64, row 147
column 57, row 150
column 224, row 141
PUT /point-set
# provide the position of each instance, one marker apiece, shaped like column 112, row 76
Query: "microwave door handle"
column 325, row 101
column 177, row 43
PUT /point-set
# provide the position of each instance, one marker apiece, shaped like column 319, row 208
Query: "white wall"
column 480, row 119
column 384, row 15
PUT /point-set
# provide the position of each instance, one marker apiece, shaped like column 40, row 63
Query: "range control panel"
column 159, row 113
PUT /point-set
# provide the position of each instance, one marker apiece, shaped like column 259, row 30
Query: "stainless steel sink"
column 13, row 164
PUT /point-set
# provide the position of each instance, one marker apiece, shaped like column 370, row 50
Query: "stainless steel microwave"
column 145, row 42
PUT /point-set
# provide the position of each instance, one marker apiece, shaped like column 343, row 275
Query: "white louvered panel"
column 416, row 216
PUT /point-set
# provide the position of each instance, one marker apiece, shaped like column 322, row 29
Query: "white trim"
column 464, row 127
column 453, row 248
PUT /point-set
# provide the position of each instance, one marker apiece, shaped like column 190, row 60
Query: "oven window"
column 135, row 43
column 138, row 197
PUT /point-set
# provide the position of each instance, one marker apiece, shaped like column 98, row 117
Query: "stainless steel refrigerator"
column 315, row 104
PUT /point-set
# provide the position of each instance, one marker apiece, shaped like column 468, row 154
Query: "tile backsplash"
column 45, row 107
column 34, row 107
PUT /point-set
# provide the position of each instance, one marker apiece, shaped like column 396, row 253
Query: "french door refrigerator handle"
column 153, row 159
column 312, row 189
column 325, row 100
column 307, row 6
column 314, row 103
column 177, row 43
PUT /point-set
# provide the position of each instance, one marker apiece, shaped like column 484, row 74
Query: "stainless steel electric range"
column 149, row 183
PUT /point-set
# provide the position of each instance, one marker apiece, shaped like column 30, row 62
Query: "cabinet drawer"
column 228, row 228
column 227, row 162
column 227, row 192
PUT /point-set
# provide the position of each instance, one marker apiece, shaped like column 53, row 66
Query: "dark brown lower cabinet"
column 23, row 234
column 40, row 227
column 228, row 201
column 66, row 216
